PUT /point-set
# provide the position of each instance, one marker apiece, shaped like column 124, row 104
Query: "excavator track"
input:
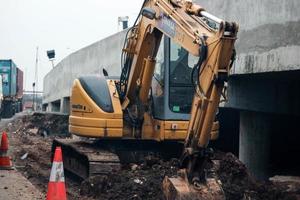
column 83, row 159
column 86, row 158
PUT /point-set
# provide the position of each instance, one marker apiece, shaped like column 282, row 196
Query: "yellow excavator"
column 175, row 61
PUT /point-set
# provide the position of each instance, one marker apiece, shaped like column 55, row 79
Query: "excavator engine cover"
column 95, row 108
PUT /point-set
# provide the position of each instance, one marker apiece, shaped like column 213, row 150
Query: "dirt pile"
column 144, row 182
column 132, row 182
column 238, row 184
column 42, row 124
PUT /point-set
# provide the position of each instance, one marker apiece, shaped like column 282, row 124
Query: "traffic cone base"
column 5, row 162
column 56, row 191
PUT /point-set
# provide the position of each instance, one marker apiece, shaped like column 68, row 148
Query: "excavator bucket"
column 178, row 188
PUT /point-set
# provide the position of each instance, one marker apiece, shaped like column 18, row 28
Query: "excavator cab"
column 172, row 88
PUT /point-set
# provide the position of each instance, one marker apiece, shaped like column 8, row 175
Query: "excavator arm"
column 203, row 35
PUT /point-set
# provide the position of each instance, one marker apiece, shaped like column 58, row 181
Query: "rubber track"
column 84, row 159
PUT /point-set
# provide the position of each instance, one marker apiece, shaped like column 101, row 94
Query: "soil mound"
column 132, row 182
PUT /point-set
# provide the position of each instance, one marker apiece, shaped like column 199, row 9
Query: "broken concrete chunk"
column 33, row 131
column 138, row 181
column 24, row 156
column 134, row 167
column 295, row 179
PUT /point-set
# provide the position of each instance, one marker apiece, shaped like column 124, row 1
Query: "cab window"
column 181, row 89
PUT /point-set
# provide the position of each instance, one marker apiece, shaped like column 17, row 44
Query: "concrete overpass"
column 264, row 88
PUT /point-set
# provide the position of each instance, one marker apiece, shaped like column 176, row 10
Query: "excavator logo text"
column 77, row 106
column 167, row 25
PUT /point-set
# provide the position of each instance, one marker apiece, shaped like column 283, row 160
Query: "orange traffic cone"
column 56, row 185
column 5, row 160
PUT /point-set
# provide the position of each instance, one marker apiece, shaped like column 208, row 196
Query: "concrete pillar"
column 49, row 107
column 254, row 148
column 65, row 105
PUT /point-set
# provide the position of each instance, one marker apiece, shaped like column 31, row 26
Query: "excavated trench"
column 31, row 138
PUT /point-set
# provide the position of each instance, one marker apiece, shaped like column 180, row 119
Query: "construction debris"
column 285, row 179
column 142, row 183
column 41, row 124
column 24, row 156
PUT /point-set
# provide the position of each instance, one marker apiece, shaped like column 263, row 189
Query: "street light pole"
column 52, row 61
column 33, row 96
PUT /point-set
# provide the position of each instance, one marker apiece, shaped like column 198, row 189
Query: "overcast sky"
column 63, row 25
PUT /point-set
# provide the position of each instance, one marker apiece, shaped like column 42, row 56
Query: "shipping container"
column 8, row 71
column 12, row 88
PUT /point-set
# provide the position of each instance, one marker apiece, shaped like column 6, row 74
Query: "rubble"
column 41, row 124
column 142, row 183
column 285, row 179
column 33, row 131
column 134, row 167
column 239, row 184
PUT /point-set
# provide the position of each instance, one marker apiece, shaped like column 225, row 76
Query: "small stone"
column 138, row 181
column 5, row 188
column 134, row 167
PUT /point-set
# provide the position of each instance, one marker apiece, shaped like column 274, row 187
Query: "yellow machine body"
column 87, row 119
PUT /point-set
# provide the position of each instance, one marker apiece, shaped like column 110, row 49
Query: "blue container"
column 8, row 71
